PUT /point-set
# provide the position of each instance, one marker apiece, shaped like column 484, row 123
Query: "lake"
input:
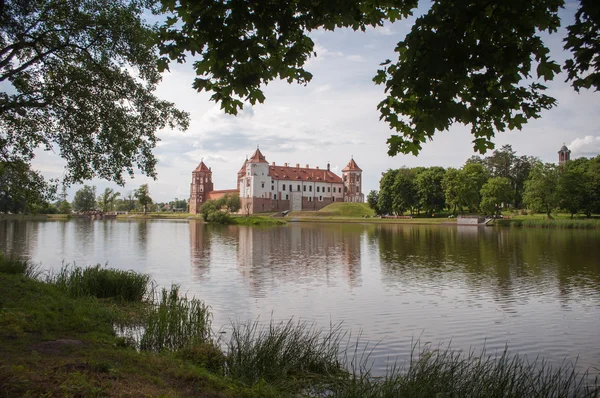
column 535, row 290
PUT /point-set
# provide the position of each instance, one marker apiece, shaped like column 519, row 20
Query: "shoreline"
column 269, row 220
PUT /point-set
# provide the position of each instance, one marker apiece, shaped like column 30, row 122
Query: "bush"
column 103, row 283
column 9, row 265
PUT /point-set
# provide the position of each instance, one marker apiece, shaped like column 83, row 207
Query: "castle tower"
column 352, row 177
column 564, row 155
column 201, row 185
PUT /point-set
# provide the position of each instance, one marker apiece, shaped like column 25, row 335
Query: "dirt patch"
column 55, row 347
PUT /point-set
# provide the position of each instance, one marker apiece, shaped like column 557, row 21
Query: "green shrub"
column 9, row 265
column 103, row 282
column 207, row 355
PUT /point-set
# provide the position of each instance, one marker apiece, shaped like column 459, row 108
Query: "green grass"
column 103, row 282
column 257, row 220
column 536, row 222
column 344, row 209
column 447, row 373
column 175, row 322
column 59, row 344
column 15, row 266
column 283, row 353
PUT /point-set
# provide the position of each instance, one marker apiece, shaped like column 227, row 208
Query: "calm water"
column 536, row 290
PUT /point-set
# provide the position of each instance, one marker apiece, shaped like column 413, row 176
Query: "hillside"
column 344, row 209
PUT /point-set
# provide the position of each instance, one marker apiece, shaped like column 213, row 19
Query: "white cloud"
column 355, row 58
column 587, row 146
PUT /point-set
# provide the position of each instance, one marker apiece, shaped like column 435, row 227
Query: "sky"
column 334, row 118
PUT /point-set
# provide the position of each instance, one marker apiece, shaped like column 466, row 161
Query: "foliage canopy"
column 481, row 64
column 78, row 76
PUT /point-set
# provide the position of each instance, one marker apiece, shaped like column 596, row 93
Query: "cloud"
column 588, row 146
column 355, row 58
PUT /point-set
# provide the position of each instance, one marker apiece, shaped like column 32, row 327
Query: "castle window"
column 320, row 198
column 310, row 188
column 286, row 197
column 357, row 190
column 262, row 184
column 317, row 189
column 298, row 187
column 304, row 188
column 272, row 187
column 328, row 189
column 345, row 178
column 283, row 188
column 290, row 187
column 275, row 196
column 357, row 178
column 310, row 199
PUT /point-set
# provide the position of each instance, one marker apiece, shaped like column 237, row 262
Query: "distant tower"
column 564, row 155
column 201, row 185
column 352, row 177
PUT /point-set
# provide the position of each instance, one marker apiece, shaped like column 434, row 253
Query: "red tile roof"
column 243, row 169
column 257, row 157
column 303, row 174
column 351, row 166
column 201, row 167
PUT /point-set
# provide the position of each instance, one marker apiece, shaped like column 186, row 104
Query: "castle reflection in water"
column 264, row 254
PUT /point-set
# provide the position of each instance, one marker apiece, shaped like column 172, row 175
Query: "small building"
column 265, row 187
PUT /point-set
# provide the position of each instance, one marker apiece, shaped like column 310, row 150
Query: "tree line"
column 137, row 200
column 489, row 184
column 80, row 77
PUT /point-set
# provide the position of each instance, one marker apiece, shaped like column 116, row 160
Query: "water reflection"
column 508, row 261
column 300, row 254
column 18, row 237
column 534, row 289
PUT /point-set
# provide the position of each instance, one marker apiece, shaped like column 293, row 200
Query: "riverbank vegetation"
column 76, row 334
column 497, row 183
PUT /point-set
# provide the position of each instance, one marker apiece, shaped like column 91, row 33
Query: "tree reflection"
column 511, row 263
column 18, row 238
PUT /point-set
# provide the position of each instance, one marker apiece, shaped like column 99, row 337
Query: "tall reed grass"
column 103, row 282
column 283, row 351
column 175, row 322
column 9, row 265
column 448, row 373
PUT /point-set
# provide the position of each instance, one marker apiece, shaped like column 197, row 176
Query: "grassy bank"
column 542, row 221
column 63, row 342
column 257, row 220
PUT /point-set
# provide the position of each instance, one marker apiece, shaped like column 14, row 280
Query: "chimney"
column 273, row 164
column 297, row 165
column 317, row 167
column 328, row 166
column 286, row 165
column 307, row 166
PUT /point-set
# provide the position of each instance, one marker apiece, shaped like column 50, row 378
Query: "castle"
column 265, row 187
